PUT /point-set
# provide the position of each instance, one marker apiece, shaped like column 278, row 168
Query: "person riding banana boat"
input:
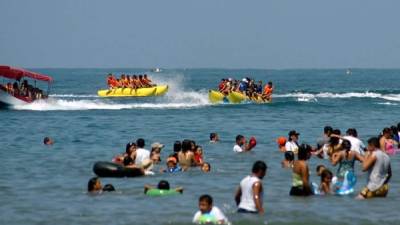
column 243, row 89
column 132, row 86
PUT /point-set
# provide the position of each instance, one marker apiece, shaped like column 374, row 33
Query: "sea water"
column 47, row 185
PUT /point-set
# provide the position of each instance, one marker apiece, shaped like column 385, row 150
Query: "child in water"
column 209, row 214
column 326, row 181
column 320, row 169
column 162, row 185
column 288, row 161
column 198, row 155
column 206, row 167
column 172, row 166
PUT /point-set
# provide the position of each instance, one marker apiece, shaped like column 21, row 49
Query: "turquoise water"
column 47, row 185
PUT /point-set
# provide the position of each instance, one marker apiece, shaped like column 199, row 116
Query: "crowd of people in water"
column 341, row 150
column 248, row 87
column 23, row 90
column 129, row 81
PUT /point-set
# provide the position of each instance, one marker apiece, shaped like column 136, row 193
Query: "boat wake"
column 310, row 97
column 176, row 98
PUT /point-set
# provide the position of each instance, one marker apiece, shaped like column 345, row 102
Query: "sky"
column 266, row 34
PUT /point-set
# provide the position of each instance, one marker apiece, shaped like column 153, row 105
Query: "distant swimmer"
column 214, row 138
column 206, row 167
column 242, row 146
column 348, row 72
column 162, row 185
column 95, row 187
column 48, row 141
column 208, row 213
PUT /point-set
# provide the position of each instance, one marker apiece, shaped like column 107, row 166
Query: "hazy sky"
column 202, row 33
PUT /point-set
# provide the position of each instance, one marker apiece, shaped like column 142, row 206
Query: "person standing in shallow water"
column 249, row 195
column 301, row 182
column 377, row 163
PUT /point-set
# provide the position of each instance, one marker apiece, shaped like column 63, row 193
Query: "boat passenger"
column 209, row 214
column 377, row 163
column 268, row 90
column 387, row 144
column 300, row 181
column 148, row 81
column 16, row 89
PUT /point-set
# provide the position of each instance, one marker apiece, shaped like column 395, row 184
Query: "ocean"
column 47, row 185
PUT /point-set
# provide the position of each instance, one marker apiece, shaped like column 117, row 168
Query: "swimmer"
column 377, row 163
column 320, row 169
column 291, row 144
column 108, row 188
column 242, row 146
column 162, row 185
column 206, row 167
column 281, row 141
column 48, row 141
column 94, row 185
column 300, row 179
column 186, row 156
column 209, row 214
column 387, row 143
column 326, row 181
column 155, row 153
column 249, row 195
column 214, row 138
column 130, row 150
column 172, row 166
column 288, row 161
column 198, row 156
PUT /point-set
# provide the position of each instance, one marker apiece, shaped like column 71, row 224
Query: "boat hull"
column 130, row 92
column 233, row 97
column 8, row 100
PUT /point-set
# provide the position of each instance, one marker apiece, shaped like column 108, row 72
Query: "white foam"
column 72, row 96
column 309, row 96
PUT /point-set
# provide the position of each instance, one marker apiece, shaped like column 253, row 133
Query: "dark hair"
column 108, row 187
column 319, row 167
column 374, row 141
column 259, row 166
column 128, row 147
column 206, row 198
column 398, row 126
column 394, row 130
column 328, row 130
column 239, row 137
column 140, row 143
column 346, row 145
column 326, row 173
column 177, row 146
column 335, row 140
column 386, row 130
column 92, row 182
column 186, row 145
column 304, row 151
column 209, row 165
column 163, row 185
column 128, row 160
column 289, row 156
column 352, row 132
column 270, row 83
column 212, row 136
column 46, row 140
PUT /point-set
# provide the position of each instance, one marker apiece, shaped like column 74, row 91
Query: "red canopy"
column 17, row 73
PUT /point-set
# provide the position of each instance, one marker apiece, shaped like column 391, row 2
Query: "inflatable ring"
column 160, row 192
column 109, row 169
column 207, row 219
column 346, row 186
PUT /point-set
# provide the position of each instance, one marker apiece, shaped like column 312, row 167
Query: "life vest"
column 268, row 90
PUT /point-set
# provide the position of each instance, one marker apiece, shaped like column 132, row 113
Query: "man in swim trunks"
column 249, row 195
column 377, row 163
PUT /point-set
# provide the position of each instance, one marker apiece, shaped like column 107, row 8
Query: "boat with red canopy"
column 17, row 90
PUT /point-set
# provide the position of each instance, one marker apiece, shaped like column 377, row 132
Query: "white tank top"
column 247, row 198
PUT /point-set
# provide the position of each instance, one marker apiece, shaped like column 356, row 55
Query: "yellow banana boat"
column 130, row 92
column 233, row 97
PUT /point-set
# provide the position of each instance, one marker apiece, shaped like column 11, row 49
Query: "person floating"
column 241, row 144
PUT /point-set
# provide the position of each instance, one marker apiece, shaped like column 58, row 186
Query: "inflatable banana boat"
column 233, row 97
column 130, row 92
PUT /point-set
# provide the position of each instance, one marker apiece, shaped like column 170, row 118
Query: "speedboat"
column 18, row 91
column 156, row 70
